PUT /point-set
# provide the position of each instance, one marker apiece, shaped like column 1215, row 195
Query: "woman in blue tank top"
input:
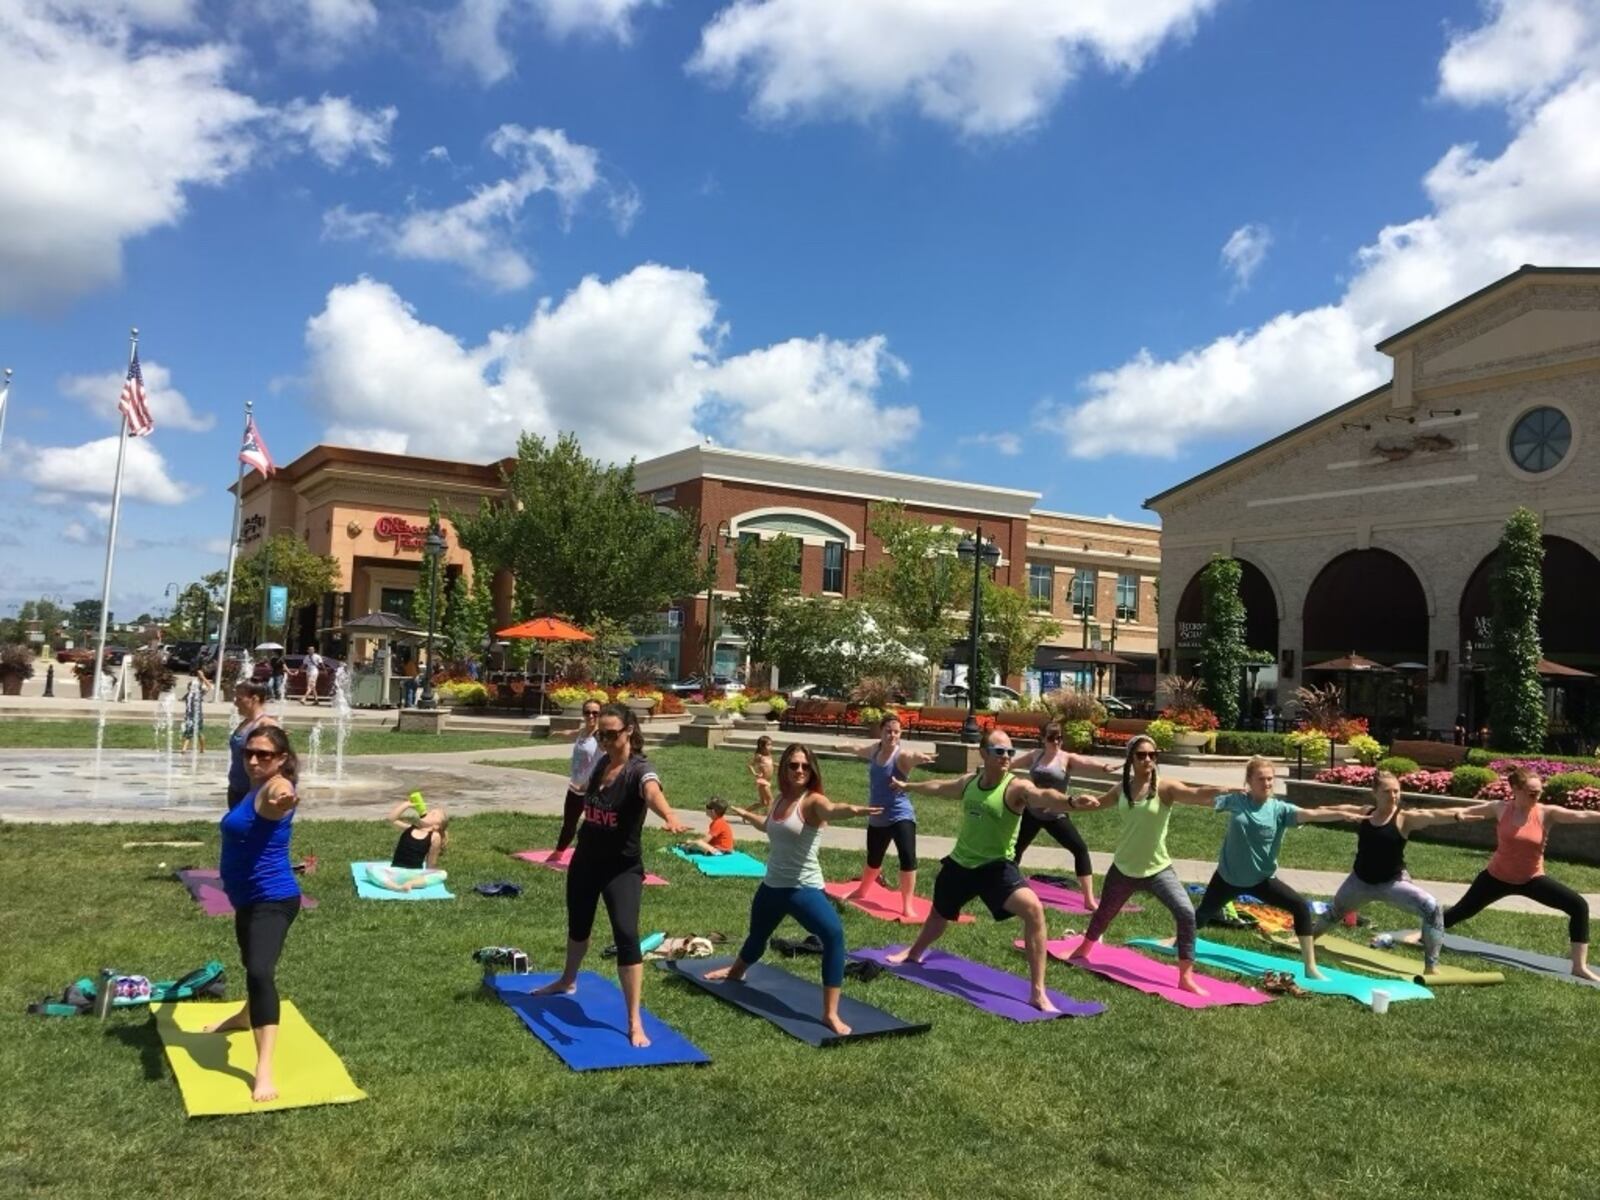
column 896, row 820
column 260, row 883
column 250, row 702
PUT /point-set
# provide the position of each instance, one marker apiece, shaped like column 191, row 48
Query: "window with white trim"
column 1041, row 584
column 1083, row 583
column 833, row 567
column 1127, row 597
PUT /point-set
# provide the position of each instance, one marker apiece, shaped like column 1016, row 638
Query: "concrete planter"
column 642, row 707
column 11, row 683
column 1189, row 741
column 758, row 708
column 703, row 715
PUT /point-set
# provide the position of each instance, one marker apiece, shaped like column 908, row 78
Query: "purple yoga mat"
column 1053, row 895
column 205, row 885
column 980, row 985
column 1121, row 965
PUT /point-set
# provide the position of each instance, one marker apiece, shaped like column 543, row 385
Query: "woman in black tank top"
column 1051, row 767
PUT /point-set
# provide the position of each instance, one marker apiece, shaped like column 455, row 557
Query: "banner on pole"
column 277, row 605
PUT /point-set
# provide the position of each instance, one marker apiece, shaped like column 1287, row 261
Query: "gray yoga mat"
column 1509, row 956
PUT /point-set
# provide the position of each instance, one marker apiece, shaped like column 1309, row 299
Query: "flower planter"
column 642, row 707
column 573, row 710
column 86, row 687
column 758, row 708
column 11, row 684
column 1189, row 741
column 703, row 714
column 1343, row 754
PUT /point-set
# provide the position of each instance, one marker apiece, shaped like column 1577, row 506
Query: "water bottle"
column 417, row 803
column 1383, row 941
column 105, row 994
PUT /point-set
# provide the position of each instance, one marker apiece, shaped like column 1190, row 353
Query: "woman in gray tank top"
column 793, row 884
column 1051, row 766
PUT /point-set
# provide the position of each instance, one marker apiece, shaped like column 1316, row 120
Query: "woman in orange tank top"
column 1517, row 866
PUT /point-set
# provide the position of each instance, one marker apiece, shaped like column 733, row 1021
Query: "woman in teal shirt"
column 1249, row 860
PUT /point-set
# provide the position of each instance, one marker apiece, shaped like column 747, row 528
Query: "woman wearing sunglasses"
column 896, row 820
column 1050, row 768
column 260, row 883
column 607, row 864
column 585, row 753
column 979, row 866
column 793, row 883
column 1141, row 862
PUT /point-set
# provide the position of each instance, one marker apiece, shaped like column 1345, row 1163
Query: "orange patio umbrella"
column 546, row 629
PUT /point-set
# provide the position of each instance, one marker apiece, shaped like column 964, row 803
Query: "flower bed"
column 1422, row 782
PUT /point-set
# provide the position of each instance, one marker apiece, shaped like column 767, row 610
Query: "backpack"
column 132, row 991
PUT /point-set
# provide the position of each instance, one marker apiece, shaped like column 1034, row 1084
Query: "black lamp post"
column 722, row 538
column 980, row 552
column 433, row 547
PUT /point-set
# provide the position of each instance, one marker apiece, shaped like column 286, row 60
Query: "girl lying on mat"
column 719, row 837
column 423, row 837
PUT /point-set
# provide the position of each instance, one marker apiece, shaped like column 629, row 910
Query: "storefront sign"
column 251, row 528
column 1191, row 634
column 401, row 532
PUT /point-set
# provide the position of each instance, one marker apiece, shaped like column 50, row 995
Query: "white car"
column 999, row 696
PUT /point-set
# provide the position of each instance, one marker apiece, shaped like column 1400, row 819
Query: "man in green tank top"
column 980, row 866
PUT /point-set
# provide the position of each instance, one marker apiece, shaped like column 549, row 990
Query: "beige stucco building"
column 1369, row 528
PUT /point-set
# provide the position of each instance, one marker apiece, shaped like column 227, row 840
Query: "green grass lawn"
column 70, row 735
column 690, row 774
column 1295, row 1098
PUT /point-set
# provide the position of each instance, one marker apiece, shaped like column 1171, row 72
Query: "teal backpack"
column 134, row 991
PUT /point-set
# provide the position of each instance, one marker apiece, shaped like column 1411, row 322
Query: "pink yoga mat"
column 561, row 861
column 1063, row 899
column 1121, row 965
column 884, row 904
column 205, row 885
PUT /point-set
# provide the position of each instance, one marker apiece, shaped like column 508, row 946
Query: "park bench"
column 812, row 714
column 1438, row 755
column 1026, row 725
column 1119, row 731
column 934, row 721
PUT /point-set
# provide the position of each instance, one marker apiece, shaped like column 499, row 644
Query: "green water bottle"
column 417, row 803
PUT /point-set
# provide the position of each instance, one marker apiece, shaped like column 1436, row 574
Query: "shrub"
column 1347, row 775
column 567, row 696
column 873, row 691
column 1310, row 743
column 1398, row 764
column 465, row 693
column 1322, row 707
column 1544, row 768
column 1429, row 783
column 1077, row 735
column 1069, row 704
column 779, row 704
column 1498, row 790
column 16, row 659
column 1558, row 787
column 1346, row 729
column 1160, row 732
column 1367, row 749
column 1467, row 781
column 1586, row 798
column 869, row 714
column 1240, row 741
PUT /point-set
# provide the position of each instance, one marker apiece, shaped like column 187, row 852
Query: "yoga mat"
column 735, row 864
column 884, row 904
column 205, row 885
column 1522, row 960
column 1397, row 966
column 215, row 1070
column 588, row 1029
column 1248, row 962
column 1129, row 967
column 986, row 988
column 1064, row 899
column 368, row 890
column 559, row 862
column 793, row 1004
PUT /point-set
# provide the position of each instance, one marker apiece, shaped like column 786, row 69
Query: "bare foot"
column 1314, row 973
column 638, row 1037
column 1090, row 903
column 1433, row 970
column 718, row 975
column 232, row 1025
column 263, row 1090
column 1081, row 954
column 909, row 913
column 901, row 956
column 1186, row 983
column 1042, row 1002
column 557, row 987
column 860, row 891
column 1585, row 973
column 838, row 1026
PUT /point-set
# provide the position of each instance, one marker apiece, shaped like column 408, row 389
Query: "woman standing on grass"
column 793, row 883
column 895, row 820
column 1141, row 862
column 1522, row 827
column 607, row 864
column 1050, row 769
column 1257, row 821
column 250, row 702
column 260, row 884
column 1379, row 872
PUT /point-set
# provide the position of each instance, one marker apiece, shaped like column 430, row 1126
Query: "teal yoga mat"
column 1338, row 983
column 736, row 864
column 368, row 890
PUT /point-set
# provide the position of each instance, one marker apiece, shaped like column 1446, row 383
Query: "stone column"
column 1444, row 699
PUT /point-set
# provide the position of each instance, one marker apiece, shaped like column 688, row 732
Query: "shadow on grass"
column 143, row 1038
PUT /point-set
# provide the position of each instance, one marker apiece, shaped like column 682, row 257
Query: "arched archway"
column 1260, row 631
column 1370, row 603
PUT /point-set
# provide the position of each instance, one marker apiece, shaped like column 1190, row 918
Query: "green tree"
column 1222, row 648
column 833, row 644
column 1014, row 628
column 471, row 609
column 581, row 540
column 1517, row 718
column 916, row 592
column 769, row 579
column 291, row 564
column 422, row 595
column 85, row 616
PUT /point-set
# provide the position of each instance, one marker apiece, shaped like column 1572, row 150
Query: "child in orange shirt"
column 719, row 837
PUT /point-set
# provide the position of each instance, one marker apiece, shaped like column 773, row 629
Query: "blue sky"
column 1084, row 249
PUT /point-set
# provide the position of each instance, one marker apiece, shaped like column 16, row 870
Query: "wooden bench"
column 934, row 720
column 1119, row 731
column 1438, row 755
column 1025, row 725
column 808, row 713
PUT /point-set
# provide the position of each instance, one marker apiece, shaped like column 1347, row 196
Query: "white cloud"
column 471, row 34
column 168, row 405
column 633, row 365
column 1527, row 48
column 1244, row 252
column 479, row 233
column 341, row 21
column 1537, row 201
column 88, row 470
column 335, row 129
column 76, row 532
column 1004, row 442
column 984, row 66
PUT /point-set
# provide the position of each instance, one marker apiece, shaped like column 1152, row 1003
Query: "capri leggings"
column 571, row 814
column 1066, row 834
column 620, row 883
column 1272, row 891
column 904, row 836
column 1401, row 893
column 811, row 908
column 1541, row 889
column 260, row 929
column 1164, row 886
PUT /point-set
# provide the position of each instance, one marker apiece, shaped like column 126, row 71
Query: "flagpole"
column 5, row 403
column 111, row 539
column 233, row 554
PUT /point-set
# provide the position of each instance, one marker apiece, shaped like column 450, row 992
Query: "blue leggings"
column 811, row 908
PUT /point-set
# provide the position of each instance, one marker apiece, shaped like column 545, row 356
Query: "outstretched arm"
column 866, row 751
column 1421, row 818
column 657, row 800
column 1557, row 815
column 1175, row 791
column 911, row 759
column 931, row 787
column 820, row 809
column 750, row 818
column 1328, row 814
column 1105, row 800
column 1082, row 762
column 1022, row 792
column 1487, row 811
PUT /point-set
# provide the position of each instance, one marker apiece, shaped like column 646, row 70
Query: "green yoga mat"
column 1397, row 966
column 1249, row 962
column 735, row 864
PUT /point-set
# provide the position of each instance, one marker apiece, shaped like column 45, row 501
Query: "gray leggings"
column 1353, row 893
column 1164, row 885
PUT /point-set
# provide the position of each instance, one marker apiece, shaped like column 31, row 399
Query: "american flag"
column 132, row 401
column 254, row 451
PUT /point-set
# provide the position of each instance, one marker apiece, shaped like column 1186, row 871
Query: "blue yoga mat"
column 1249, row 962
column 588, row 1029
column 368, row 890
column 736, row 864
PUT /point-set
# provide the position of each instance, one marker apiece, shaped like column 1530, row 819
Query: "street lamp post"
column 433, row 547
column 980, row 552
column 721, row 538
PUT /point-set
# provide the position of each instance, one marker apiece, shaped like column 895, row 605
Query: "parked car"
column 181, row 656
column 1116, row 707
column 295, row 680
column 83, row 654
column 817, row 691
column 955, row 695
column 720, row 683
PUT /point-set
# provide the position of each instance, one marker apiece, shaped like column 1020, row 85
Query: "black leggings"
column 1271, row 891
column 571, row 814
column 260, row 929
column 1541, row 889
column 904, row 836
column 1065, row 833
column 620, row 883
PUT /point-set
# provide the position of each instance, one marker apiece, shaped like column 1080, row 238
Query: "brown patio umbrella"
column 1349, row 662
column 1094, row 658
column 1555, row 670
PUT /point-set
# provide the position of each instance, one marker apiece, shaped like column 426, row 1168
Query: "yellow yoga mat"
column 1387, row 962
column 215, row 1070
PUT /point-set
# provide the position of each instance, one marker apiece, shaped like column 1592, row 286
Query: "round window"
column 1540, row 439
